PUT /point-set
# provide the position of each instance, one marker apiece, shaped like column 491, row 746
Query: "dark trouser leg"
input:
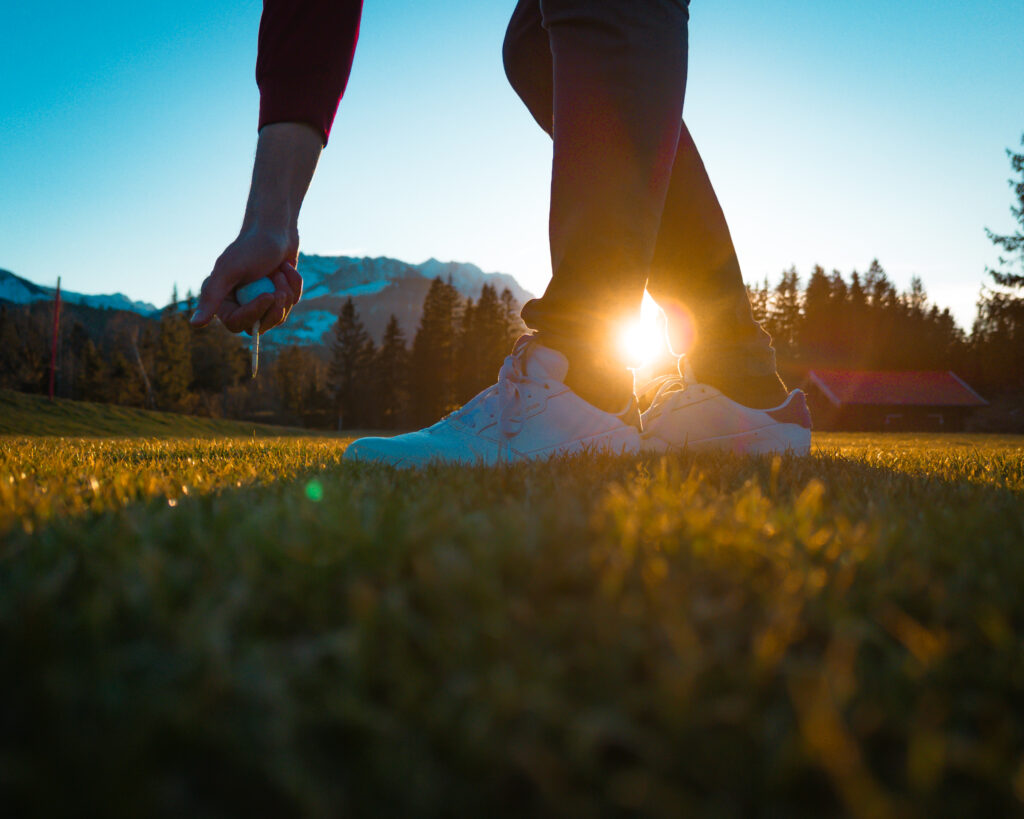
column 694, row 262
column 695, row 273
column 617, row 72
column 527, row 57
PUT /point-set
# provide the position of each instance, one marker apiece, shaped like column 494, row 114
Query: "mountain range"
column 21, row 291
column 377, row 286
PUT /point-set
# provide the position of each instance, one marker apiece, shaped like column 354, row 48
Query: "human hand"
column 268, row 244
column 255, row 254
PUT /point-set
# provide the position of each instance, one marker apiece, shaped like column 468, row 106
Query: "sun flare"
column 643, row 340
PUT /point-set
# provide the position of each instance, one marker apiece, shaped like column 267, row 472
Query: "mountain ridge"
column 379, row 286
column 18, row 290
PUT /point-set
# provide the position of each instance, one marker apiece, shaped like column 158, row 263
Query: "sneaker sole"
column 625, row 441
column 771, row 440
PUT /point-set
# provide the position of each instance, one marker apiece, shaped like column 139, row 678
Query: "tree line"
column 163, row 364
column 455, row 353
column 864, row 323
column 860, row 321
column 168, row 364
column 828, row 320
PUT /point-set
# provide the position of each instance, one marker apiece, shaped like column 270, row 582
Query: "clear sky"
column 834, row 133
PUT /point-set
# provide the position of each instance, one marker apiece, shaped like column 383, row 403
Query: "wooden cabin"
column 909, row 400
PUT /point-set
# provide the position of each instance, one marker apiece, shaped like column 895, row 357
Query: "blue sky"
column 834, row 133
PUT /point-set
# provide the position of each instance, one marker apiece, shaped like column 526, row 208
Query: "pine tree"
column 997, row 338
column 294, row 371
column 24, row 348
column 433, row 376
column 93, row 375
column 34, row 328
column 758, row 294
column 879, row 326
column 352, row 357
column 838, row 287
column 856, row 319
column 879, row 289
column 816, row 329
column 856, row 292
column 219, row 358
column 467, row 352
column 72, row 343
column 484, row 341
column 172, row 361
column 784, row 313
column 318, row 403
column 391, row 378
column 495, row 331
column 143, row 349
column 938, row 343
column 124, row 384
column 9, row 359
column 1012, row 243
column 514, row 326
column 916, row 299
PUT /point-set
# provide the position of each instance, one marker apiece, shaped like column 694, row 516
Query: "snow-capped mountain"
column 21, row 291
column 345, row 276
column 378, row 287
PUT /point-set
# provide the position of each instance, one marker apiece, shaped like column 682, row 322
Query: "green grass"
column 24, row 414
column 210, row 626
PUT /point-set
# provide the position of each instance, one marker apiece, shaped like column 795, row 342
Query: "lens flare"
column 643, row 341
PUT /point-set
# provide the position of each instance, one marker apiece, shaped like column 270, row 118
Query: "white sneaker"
column 688, row 415
column 528, row 414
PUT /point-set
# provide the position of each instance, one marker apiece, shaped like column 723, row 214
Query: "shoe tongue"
column 544, row 362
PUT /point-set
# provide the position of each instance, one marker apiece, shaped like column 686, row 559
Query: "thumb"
column 210, row 296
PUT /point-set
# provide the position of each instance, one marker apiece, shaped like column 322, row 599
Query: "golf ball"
column 247, row 292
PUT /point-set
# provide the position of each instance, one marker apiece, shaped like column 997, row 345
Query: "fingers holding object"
column 241, row 318
column 283, row 287
column 218, row 297
column 276, row 313
column 211, row 297
column 294, row 280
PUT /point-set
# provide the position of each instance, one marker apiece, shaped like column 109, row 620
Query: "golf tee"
column 244, row 295
column 255, row 348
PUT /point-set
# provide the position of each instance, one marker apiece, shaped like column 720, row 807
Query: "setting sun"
column 643, row 341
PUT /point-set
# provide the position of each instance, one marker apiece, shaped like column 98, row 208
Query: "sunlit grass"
column 220, row 626
column 41, row 478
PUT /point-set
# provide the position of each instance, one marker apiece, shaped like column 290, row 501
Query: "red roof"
column 912, row 388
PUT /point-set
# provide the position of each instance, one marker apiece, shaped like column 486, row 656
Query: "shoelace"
column 666, row 384
column 505, row 398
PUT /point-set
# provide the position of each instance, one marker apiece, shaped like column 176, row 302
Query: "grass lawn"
column 214, row 626
column 23, row 414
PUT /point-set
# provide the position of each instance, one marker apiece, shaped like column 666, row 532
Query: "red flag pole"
column 53, row 349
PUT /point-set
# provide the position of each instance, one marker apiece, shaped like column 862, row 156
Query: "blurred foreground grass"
column 225, row 626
